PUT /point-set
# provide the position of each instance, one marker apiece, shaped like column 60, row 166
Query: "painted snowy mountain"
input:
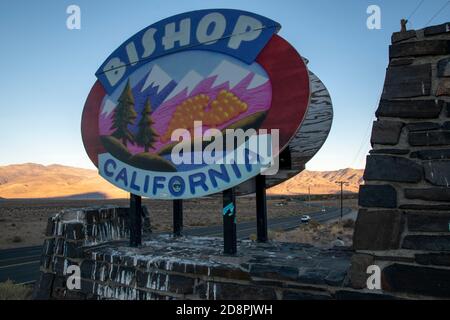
column 166, row 94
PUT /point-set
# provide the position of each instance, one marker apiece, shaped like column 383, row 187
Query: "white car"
column 305, row 219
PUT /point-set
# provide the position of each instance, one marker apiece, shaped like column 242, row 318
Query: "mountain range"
column 32, row 180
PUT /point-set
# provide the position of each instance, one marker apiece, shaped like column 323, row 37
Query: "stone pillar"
column 403, row 224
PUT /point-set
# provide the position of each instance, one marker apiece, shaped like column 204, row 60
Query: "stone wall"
column 169, row 268
column 404, row 218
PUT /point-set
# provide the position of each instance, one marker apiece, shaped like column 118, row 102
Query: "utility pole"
column 342, row 183
column 309, row 195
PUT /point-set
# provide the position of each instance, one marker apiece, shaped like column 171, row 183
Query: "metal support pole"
column 135, row 220
column 229, row 222
column 177, row 217
column 261, row 209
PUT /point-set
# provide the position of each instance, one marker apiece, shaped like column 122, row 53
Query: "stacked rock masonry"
column 403, row 224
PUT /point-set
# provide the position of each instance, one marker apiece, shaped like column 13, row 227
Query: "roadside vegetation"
column 11, row 291
column 338, row 233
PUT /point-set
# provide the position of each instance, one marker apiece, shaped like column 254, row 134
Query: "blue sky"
column 48, row 70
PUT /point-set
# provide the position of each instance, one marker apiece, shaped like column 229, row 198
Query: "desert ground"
column 30, row 193
column 22, row 222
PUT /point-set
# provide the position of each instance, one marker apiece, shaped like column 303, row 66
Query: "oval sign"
column 157, row 120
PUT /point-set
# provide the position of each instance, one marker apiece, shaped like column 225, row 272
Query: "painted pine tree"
column 146, row 135
column 124, row 115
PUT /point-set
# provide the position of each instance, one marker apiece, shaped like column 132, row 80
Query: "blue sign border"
column 134, row 46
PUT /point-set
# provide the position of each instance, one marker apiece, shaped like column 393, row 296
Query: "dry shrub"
column 11, row 291
column 319, row 234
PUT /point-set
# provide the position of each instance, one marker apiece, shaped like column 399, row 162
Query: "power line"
column 364, row 137
column 364, row 141
column 415, row 10
column 438, row 12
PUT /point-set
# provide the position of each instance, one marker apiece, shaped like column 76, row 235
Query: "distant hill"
column 32, row 180
column 320, row 182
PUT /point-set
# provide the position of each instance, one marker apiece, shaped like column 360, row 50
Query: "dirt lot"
column 22, row 222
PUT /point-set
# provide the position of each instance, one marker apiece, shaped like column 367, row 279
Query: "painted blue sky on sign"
column 203, row 63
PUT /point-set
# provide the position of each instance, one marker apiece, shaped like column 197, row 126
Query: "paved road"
column 22, row 264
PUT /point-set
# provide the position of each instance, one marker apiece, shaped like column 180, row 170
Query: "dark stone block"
column 123, row 212
column 414, row 109
column 422, row 126
column 49, row 247
column 357, row 272
column 59, row 282
column 102, row 271
column 50, row 230
column 43, row 288
column 74, row 231
column 437, row 172
column 386, row 132
column 389, row 151
column 378, row 230
column 182, row 267
column 87, row 287
column 437, row 259
column 429, row 194
column 419, row 48
column 336, row 277
column 401, row 62
column 388, row 168
column 230, row 291
column 426, row 242
column 401, row 36
column 229, row 273
column 443, row 88
column 92, row 216
column 416, row 280
column 314, row 276
column 377, row 196
column 432, row 207
column 298, row 295
column 180, row 284
column 430, row 138
column 125, row 275
column 46, row 261
column 428, row 222
column 431, row 154
column 443, row 68
column 446, row 125
column 157, row 281
column 407, row 81
column 273, row 272
column 87, row 269
column 73, row 249
column 58, row 265
column 74, row 295
column 141, row 279
column 434, row 30
column 59, row 246
column 359, row 295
